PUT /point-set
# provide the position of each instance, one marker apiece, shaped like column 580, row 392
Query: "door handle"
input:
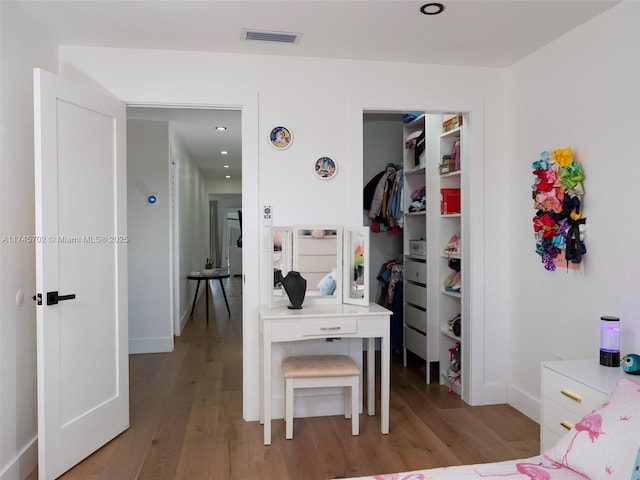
column 53, row 298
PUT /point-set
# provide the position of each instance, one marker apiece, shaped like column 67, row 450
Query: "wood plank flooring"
column 186, row 420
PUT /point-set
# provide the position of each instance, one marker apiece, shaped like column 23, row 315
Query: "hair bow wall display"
column 557, row 195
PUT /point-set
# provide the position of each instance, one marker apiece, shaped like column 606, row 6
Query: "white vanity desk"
column 281, row 324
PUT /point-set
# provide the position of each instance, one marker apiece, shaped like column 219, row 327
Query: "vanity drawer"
column 569, row 393
column 416, row 318
column 415, row 271
column 324, row 326
column 415, row 294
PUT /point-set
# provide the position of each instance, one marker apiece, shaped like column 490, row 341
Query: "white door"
column 81, row 228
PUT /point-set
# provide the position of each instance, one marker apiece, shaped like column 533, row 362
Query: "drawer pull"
column 571, row 395
column 566, row 425
column 329, row 329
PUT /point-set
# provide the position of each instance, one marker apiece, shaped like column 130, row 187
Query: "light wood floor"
column 186, row 421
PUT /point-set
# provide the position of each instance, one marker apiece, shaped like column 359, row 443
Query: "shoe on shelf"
column 449, row 280
column 456, row 281
column 453, row 246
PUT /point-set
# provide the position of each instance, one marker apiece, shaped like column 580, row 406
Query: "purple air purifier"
column 610, row 341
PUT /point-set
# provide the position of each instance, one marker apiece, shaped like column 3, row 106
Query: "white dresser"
column 570, row 389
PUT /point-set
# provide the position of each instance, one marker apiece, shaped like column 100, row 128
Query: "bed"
column 603, row 445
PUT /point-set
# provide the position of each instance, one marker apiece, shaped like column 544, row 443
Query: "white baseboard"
column 524, row 402
column 150, row 345
column 22, row 464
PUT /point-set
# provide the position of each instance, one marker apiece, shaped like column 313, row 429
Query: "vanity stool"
column 314, row 371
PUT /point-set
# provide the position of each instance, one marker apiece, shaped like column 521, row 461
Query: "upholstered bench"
column 314, row 371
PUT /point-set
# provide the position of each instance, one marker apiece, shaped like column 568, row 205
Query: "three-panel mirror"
column 333, row 260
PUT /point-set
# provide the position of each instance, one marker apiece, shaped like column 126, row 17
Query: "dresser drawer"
column 557, row 418
column 548, row 439
column 416, row 318
column 416, row 342
column 324, row 326
column 415, row 294
column 415, row 271
column 571, row 394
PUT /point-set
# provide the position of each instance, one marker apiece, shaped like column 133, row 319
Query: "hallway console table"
column 281, row 324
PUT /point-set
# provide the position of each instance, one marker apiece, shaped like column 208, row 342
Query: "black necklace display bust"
column 296, row 286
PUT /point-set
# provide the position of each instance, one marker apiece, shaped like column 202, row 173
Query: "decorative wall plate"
column 280, row 137
column 325, row 168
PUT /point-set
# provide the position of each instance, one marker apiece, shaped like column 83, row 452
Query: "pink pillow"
column 605, row 443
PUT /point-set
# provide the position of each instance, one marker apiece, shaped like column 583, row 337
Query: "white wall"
column 23, row 46
column 317, row 106
column 193, row 224
column 150, row 326
column 582, row 91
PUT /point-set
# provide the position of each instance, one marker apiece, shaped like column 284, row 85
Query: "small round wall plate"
column 280, row 137
column 325, row 168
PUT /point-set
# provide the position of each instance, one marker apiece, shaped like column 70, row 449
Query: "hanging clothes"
column 382, row 196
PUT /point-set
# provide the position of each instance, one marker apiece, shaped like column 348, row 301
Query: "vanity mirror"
column 333, row 260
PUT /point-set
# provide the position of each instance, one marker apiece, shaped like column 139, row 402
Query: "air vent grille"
column 267, row 36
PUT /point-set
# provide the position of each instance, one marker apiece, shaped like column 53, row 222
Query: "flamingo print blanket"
column 534, row 468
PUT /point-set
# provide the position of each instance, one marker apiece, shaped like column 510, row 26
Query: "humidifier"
column 610, row 341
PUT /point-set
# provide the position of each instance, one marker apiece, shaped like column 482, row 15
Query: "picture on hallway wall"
column 559, row 225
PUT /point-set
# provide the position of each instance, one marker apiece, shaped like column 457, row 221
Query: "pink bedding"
column 534, row 468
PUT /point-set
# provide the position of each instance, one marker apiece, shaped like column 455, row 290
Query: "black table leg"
column 225, row 296
column 195, row 297
column 206, row 298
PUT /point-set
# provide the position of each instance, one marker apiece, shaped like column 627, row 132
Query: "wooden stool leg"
column 288, row 408
column 355, row 412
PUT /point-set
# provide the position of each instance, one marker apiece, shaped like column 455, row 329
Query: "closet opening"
column 413, row 179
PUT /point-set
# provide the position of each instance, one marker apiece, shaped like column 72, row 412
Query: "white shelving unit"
column 420, row 331
column 444, row 223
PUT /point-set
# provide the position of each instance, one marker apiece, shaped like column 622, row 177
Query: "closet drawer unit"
column 415, row 294
column 415, row 271
column 416, row 342
column 416, row 318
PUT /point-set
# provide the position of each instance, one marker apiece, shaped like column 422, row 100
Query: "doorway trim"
column 247, row 103
column 478, row 392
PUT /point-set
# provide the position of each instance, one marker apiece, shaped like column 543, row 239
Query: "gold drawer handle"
column 566, row 425
column 571, row 395
column 329, row 329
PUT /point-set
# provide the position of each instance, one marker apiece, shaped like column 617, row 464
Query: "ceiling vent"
column 267, row 36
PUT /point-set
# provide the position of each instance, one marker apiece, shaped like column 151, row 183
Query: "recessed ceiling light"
column 225, row 166
column 432, row 8
column 221, row 129
column 227, row 176
column 224, row 152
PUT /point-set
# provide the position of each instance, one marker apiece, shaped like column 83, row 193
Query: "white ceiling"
column 489, row 33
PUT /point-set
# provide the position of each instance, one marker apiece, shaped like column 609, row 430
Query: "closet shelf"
column 450, row 215
column 450, row 174
column 416, row 257
column 452, row 133
column 418, row 169
column 452, row 294
column 448, row 333
column 421, row 213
